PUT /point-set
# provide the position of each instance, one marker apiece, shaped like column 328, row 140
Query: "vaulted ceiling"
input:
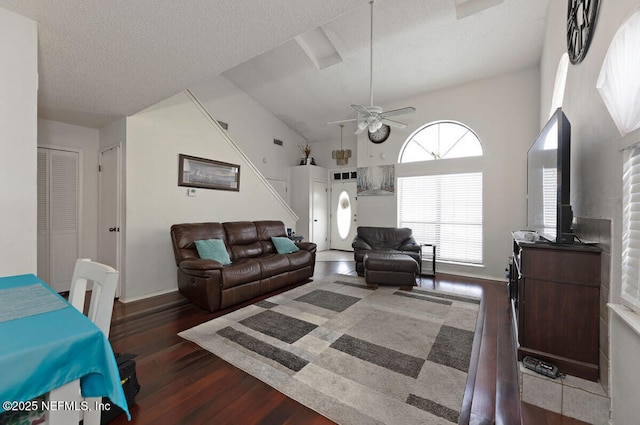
column 104, row 59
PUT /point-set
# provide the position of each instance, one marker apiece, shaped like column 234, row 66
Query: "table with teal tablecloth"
column 46, row 343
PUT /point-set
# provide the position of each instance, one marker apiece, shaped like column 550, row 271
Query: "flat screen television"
column 548, row 178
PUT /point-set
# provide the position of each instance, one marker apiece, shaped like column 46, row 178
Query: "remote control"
column 540, row 367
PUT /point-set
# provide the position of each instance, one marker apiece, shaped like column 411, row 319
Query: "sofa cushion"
column 213, row 249
column 242, row 240
column 284, row 245
column 273, row 264
column 184, row 235
column 382, row 238
column 240, row 272
column 253, row 250
column 240, row 232
column 267, row 229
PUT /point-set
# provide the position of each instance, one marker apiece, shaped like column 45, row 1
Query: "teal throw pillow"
column 213, row 249
column 284, row 245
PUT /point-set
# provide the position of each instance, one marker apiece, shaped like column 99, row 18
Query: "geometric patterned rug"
column 353, row 354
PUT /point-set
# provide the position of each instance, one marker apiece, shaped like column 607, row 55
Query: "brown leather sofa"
column 256, row 268
column 390, row 240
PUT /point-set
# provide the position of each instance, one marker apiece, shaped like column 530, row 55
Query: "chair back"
column 105, row 282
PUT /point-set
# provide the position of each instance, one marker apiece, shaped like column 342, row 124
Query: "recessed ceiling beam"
column 319, row 48
column 466, row 8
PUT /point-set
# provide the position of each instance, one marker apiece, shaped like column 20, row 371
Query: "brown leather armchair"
column 385, row 240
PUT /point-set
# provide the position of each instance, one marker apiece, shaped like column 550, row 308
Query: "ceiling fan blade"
column 407, row 110
column 361, row 110
column 342, row 121
column 392, row 123
column 362, row 125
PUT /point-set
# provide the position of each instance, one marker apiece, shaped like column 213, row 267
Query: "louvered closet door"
column 58, row 216
column 43, row 215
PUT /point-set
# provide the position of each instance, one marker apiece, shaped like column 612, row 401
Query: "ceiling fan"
column 373, row 118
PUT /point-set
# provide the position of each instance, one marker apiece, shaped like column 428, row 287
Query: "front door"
column 343, row 214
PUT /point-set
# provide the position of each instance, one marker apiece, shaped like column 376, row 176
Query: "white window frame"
column 630, row 293
column 441, row 167
column 557, row 100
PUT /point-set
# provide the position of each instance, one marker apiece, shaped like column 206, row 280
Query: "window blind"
column 631, row 230
column 445, row 210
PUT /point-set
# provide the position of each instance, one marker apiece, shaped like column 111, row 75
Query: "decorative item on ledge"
column 342, row 155
column 305, row 149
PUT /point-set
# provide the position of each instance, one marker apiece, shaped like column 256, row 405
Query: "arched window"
column 442, row 202
column 440, row 140
column 559, row 85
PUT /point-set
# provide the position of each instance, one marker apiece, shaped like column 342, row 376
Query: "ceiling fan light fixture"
column 375, row 126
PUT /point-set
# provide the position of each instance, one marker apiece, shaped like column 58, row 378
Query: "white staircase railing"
column 239, row 151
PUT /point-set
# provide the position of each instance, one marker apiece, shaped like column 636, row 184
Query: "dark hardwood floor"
column 184, row 384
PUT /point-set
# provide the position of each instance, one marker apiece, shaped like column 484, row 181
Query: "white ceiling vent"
column 319, row 48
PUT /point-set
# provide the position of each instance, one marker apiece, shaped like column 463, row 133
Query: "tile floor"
column 570, row 396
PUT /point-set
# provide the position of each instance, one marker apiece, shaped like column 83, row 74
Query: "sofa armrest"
column 409, row 245
column 360, row 244
column 198, row 264
column 307, row 246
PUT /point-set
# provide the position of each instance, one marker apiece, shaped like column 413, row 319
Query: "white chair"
column 105, row 282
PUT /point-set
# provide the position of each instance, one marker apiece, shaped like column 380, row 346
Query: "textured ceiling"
column 104, row 59
column 418, row 46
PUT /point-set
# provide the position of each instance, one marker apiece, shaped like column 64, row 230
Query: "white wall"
column 154, row 201
column 57, row 134
column 113, row 134
column 596, row 163
column 321, row 151
column 18, row 109
column 252, row 127
column 596, row 175
column 503, row 111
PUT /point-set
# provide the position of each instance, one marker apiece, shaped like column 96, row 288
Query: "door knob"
column 114, row 229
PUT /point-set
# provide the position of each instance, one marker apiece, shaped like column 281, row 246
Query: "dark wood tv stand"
column 555, row 296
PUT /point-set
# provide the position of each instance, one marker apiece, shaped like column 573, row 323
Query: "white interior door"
column 343, row 214
column 58, row 216
column 109, row 209
column 319, row 216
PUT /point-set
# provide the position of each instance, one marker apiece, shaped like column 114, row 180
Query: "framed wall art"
column 376, row 181
column 208, row 174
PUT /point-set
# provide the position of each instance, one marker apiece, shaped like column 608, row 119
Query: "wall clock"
column 581, row 23
column 380, row 135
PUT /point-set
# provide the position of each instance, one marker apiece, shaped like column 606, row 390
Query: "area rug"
column 353, row 354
